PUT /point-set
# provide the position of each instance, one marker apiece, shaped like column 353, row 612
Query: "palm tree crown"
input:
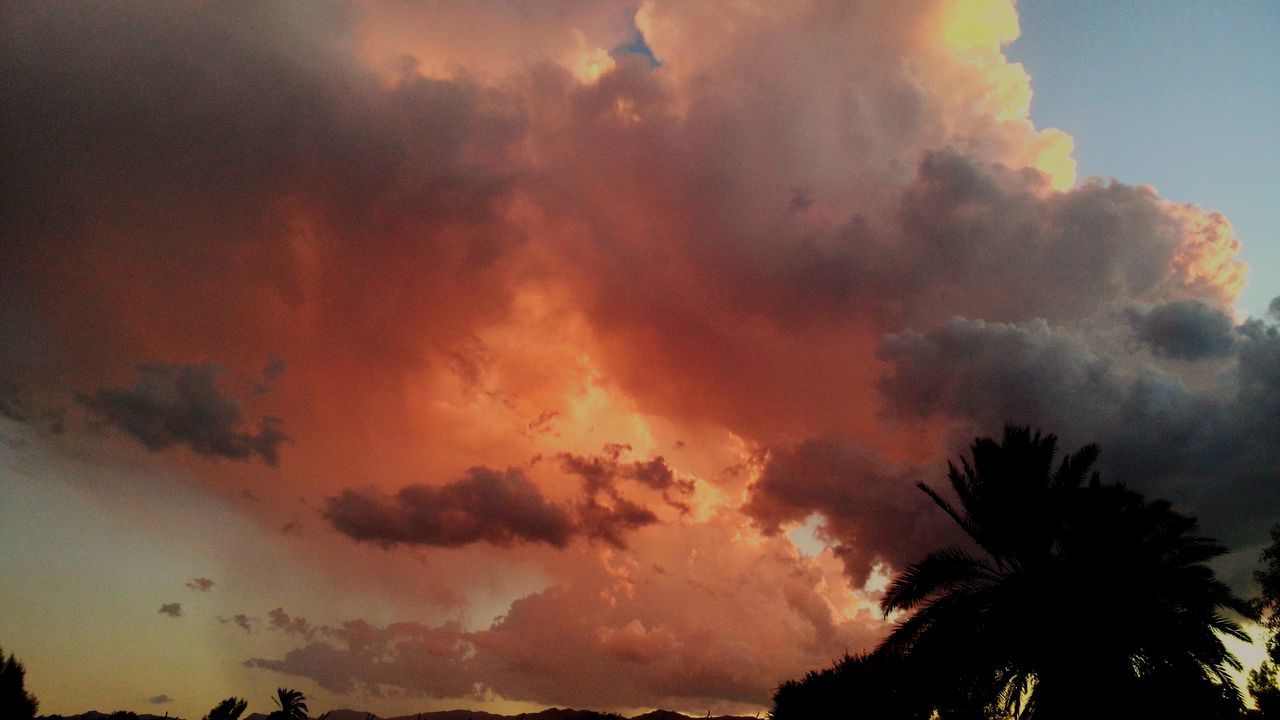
column 291, row 705
column 1085, row 601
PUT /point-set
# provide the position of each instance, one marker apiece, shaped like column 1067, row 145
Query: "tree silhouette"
column 856, row 686
column 15, row 701
column 290, row 705
column 229, row 709
column 1086, row 601
column 1264, row 683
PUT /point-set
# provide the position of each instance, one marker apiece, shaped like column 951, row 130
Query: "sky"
column 588, row 354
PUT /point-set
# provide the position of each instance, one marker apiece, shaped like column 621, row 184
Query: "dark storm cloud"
column 171, row 609
column 485, row 505
column 1185, row 330
column 871, row 511
column 1213, row 449
column 182, row 405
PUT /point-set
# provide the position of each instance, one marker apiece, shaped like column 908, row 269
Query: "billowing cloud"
column 501, row 508
column 621, row 634
column 171, row 609
column 1185, row 329
column 182, row 405
column 476, row 236
column 1216, row 453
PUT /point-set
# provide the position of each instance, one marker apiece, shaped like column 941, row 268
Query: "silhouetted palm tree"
column 290, row 705
column 15, row 701
column 229, row 709
column 1086, row 600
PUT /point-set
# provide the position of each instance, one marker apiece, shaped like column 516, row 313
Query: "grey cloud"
column 1185, row 330
column 182, row 405
column 996, row 372
column 485, row 505
column 171, row 609
column 159, row 699
column 1215, row 451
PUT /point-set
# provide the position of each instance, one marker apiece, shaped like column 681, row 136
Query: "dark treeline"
column 1076, row 599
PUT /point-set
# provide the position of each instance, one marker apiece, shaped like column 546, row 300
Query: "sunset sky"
column 505, row 355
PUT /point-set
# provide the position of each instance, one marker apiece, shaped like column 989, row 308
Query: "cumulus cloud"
column 182, row 405
column 1185, row 329
column 473, row 251
column 485, row 505
column 171, row 609
column 1216, row 453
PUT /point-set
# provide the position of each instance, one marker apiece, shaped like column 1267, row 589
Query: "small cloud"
column 242, row 621
column 171, row 609
column 201, row 584
column 280, row 620
column 159, row 699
